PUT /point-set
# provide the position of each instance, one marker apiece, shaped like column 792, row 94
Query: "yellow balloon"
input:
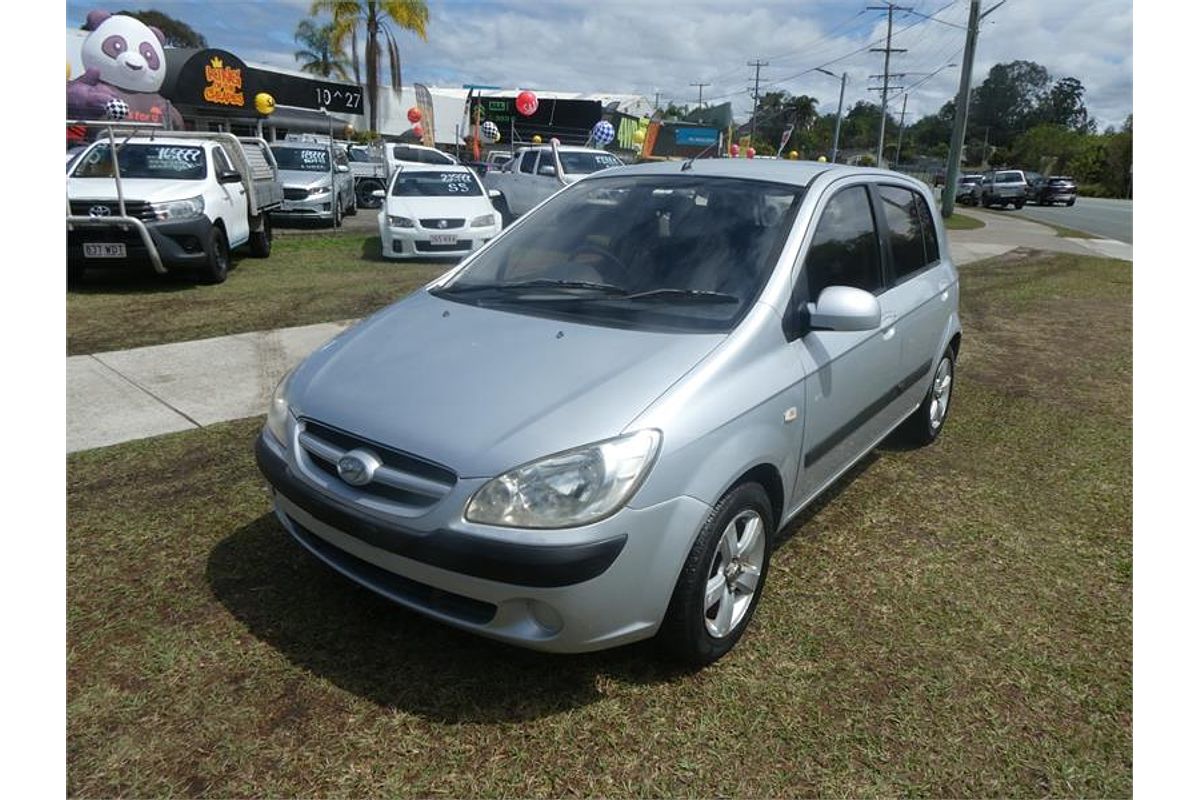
column 537, row 138
column 793, row 155
column 639, row 136
column 264, row 103
column 821, row 159
column 68, row 70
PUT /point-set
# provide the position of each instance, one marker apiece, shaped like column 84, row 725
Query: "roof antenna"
column 687, row 165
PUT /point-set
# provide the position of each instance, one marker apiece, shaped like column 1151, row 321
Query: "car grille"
column 295, row 194
column 137, row 209
column 425, row 246
column 403, row 479
column 438, row 223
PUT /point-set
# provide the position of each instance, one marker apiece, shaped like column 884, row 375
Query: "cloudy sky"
column 647, row 46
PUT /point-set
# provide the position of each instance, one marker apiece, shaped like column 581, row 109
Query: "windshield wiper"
column 683, row 294
column 539, row 283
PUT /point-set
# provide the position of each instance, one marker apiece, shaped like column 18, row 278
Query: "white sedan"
column 435, row 210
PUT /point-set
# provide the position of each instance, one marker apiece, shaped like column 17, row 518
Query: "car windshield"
column 1059, row 181
column 303, row 159
column 653, row 252
column 169, row 162
column 1009, row 177
column 586, row 163
column 434, row 184
column 416, row 155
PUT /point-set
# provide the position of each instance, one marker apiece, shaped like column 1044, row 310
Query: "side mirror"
column 844, row 308
column 548, row 170
column 342, row 168
column 379, row 194
column 494, row 194
column 229, row 176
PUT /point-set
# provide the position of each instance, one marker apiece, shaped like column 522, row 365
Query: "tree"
column 1007, row 101
column 318, row 55
column 178, row 33
column 376, row 18
column 1047, row 148
column 778, row 110
column 1063, row 105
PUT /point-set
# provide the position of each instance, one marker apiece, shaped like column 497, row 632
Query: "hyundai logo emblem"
column 99, row 211
column 357, row 467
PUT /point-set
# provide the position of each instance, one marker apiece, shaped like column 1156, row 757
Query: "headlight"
column 483, row 221
column 572, row 488
column 179, row 209
column 313, row 191
column 278, row 412
column 400, row 222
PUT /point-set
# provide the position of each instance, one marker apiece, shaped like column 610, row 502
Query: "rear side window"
column 1009, row 177
column 844, row 249
column 910, row 229
column 527, row 161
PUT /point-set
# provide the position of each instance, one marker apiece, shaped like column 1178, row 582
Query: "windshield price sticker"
column 312, row 156
column 177, row 159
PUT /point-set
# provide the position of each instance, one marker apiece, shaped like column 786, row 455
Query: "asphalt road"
column 1101, row 216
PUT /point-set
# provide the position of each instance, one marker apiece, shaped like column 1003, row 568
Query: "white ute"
column 177, row 200
column 535, row 173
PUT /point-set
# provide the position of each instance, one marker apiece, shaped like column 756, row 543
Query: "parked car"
column 317, row 183
column 535, row 173
column 435, row 209
column 180, row 201
column 369, row 168
column 1001, row 187
column 1054, row 189
column 590, row 431
column 965, row 192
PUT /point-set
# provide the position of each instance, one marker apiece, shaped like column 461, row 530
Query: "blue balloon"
column 603, row 133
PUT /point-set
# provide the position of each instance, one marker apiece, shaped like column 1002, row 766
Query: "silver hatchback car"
column 589, row 432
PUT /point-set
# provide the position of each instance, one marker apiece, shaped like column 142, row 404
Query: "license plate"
column 100, row 250
column 443, row 238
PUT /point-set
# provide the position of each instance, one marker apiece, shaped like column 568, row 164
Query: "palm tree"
column 320, row 56
column 374, row 16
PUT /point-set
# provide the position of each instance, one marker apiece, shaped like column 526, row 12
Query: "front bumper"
column 180, row 244
column 604, row 585
column 417, row 242
column 318, row 207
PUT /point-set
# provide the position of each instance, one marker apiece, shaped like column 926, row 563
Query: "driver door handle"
column 888, row 323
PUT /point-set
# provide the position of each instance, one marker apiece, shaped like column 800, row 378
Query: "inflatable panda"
column 124, row 61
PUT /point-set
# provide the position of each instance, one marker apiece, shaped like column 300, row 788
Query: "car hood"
column 467, row 206
column 302, row 179
column 150, row 190
column 481, row 390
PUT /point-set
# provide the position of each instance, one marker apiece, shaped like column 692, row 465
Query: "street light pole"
column 837, row 126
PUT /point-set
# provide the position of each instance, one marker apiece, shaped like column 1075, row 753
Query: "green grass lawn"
column 961, row 222
column 954, row 621
column 308, row 278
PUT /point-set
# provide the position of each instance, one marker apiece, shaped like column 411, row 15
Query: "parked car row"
column 1014, row 187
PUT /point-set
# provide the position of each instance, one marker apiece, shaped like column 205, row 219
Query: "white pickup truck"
column 180, row 201
column 535, row 173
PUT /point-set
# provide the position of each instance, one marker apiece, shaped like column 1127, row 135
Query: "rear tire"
column 924, row 425
column 260, row 241
column 722, row 579
column 362, row 192
column 217, row 268
column 353, row 209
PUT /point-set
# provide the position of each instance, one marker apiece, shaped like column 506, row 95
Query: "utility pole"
column 758, row 65
column 837, row 126
column 960, row 107
column 700, row 96
column 891, row 8
column 900, row 136
column 656, row 96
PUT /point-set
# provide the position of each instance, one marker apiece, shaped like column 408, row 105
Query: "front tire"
column 506, row 216
column 353, row 207
column 336, row 207
column 722, row 579
column 924, row 425
column 217, row 268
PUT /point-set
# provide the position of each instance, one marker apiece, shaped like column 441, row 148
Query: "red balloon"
column 527, row 103
column 414, row 115
column 734, row 150
column 418, row 130
column 749, row 152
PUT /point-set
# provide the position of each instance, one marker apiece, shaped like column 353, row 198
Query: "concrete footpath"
column 124, row 395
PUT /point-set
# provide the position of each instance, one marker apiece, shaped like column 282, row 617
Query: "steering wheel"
column 622, row 270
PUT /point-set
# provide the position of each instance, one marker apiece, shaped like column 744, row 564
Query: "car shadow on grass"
column 135, row 280
column 394, row 657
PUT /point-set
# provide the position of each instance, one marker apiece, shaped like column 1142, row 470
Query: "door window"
column 905, row 231
column 844, row 249
column 220, row 162
column 528, row 160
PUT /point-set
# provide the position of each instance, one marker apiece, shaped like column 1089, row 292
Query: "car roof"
column 568, row 148
column 800, row 173
column 293, row 145
column 422, row 166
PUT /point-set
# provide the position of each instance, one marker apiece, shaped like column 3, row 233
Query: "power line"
column 700, row 96
column 887, row 62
